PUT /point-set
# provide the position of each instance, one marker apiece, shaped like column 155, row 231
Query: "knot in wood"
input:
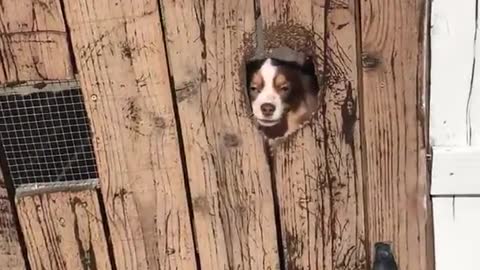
column 40, row 85
column 159, row 122
column 231, row 140
column 200, row 204
column 170, row 251
column 370, row 61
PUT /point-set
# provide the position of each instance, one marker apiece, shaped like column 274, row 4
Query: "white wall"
column 455, row 133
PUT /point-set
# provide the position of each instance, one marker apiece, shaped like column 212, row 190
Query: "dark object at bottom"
column 384, row 259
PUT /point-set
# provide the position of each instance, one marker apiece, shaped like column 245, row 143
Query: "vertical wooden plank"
column 343, row 144
column 393, row 116
column 33, row 41
column 228, row 170
column 64, row 230
column 456, row 221
column 33, row 46
column 11, row 256
column 119, row 50
column 318, row 169
column 453, row 40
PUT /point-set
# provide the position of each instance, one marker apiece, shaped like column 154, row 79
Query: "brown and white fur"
column 283, row 95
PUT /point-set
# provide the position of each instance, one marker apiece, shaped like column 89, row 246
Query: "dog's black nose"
column 267, row 109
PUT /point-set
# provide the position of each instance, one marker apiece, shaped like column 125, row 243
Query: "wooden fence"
column 186, row 179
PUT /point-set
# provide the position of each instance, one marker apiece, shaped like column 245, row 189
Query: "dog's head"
column 275, row 87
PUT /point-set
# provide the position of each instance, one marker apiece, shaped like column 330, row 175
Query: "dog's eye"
column 253, row 88
column 284, row 88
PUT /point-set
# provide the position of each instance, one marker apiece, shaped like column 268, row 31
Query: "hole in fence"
column 46, row 135
column 283, row 94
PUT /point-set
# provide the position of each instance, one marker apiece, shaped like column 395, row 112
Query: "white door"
column 455, row 133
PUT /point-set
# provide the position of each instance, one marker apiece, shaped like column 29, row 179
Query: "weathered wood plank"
column 456, row 221
column 119, row 50
column 342, row 135
column 393, row 115
column 64, row 230
column 11, row 256
column 33, row 41
column 318, row 170
column 228, row 170
column 454, row 78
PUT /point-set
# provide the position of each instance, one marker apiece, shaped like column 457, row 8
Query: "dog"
column 283, row 95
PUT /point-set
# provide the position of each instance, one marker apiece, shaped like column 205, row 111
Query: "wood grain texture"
column 33, row 41
column 342, row 135
column 393, row 116
column 11, row 256
column 317, row 170
column 119, row 50
column 229, row 175
column 64, row 231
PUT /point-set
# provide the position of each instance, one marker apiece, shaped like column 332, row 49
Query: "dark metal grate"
column 46, row 137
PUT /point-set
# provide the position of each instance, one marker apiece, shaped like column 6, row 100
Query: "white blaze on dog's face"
column 267, row 88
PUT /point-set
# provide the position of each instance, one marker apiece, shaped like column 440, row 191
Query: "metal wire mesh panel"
column 46, row 137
